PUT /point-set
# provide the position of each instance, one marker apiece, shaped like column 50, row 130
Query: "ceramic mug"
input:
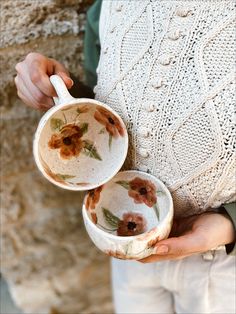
column 128, row 215
column 80, row 143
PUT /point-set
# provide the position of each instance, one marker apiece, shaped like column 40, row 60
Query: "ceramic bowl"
column 128, row 215
column 80, row 143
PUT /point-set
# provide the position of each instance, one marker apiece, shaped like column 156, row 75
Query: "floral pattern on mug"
column 58, row 177
column 93, row 197
column 82, row 109
column 110, row 121
column 68, row 141
column 94, row 217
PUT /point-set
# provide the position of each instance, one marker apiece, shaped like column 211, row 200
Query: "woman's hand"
column 195, row 234
column 32, row 81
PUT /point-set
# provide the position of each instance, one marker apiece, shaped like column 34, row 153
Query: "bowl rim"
column 44, row 120
column 161, row 224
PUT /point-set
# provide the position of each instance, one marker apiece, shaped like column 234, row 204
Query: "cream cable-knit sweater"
column 167, row 67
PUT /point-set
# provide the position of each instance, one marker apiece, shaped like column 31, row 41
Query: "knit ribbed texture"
column 167, row 67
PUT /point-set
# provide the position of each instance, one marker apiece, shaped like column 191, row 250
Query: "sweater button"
column 144, row 132
column 183, row 12
column 149, row 107
column 174, row 35
column 143, row 152
column 95, row 89
column 119, row 7
column 165, row 59
column 157, row 83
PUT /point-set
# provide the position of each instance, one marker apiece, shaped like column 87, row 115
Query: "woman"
column 166, row 68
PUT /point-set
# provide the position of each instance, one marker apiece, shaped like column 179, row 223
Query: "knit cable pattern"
column 167, row 67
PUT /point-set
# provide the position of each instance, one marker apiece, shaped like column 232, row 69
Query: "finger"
column 38, row 74
column 20, row 92
column 25, row 94
column 35, row 72
column 156, row 258
column 28, row 103
column 187, row 244
column 60, row 70
column 36, row 93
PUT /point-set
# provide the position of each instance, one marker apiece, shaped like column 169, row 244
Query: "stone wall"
column 47, row 258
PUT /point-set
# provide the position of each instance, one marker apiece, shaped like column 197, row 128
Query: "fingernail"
column 162, row 249
column 65, row 77
column 71, row 81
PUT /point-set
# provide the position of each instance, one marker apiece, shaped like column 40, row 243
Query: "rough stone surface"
column 48, row 260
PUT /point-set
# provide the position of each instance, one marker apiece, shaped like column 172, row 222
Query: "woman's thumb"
column 60, row 70
column 66, row 78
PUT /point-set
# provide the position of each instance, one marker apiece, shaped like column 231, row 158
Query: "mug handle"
column 64, row 97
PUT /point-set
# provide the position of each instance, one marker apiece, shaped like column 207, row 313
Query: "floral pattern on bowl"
column 128, row 215
column 73, row 150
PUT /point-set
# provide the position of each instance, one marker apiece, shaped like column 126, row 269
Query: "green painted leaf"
column 102, row 131
column 110, row 141
column 125, row 184
column 160, row 192
column 84, row 128
column 67, row 108
column 82, row 109
column 157, row 211
column 64, row 176
column 106, row 229
column 90, row 150
column 82, row 183
column 110, row 218
column 56, row 124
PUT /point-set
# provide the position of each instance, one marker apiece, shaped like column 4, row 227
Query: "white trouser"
column 202, row 283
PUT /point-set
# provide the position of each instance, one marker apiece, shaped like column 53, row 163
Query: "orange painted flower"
column 94, row 217
column 142, row 191
column 118, row 254
column 68, row 141
column 131, row 224
column 48, row 171
column 148, row 235
column 93, row 198
column 153, row 241
column 110, row 121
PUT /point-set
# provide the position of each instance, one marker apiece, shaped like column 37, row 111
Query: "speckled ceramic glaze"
column 128, row 215
column 80, row 143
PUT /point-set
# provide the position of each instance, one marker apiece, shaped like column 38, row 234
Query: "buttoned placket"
column 164, row 60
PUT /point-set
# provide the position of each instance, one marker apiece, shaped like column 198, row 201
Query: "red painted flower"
column 93, row 198
column 118, row 254
column 131, row 224
column 94, row 217
column 142, row 191
column 68, row 141
column 110, row 121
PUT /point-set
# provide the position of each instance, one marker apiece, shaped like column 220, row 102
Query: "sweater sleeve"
column 231, row 211
column 92, row 43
